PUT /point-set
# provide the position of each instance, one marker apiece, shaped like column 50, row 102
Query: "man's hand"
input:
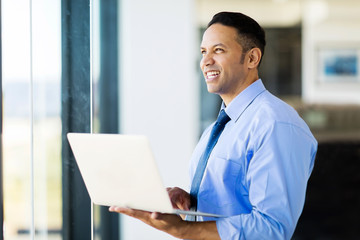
column 180, row 199
column 169, row 223
column 173, row 224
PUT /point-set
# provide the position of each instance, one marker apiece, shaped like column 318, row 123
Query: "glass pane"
column 16, row 119
column 46, row 33
column 95, row 37
column 46, row 128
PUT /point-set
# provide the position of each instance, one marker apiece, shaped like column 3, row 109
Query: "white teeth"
column 212, row 74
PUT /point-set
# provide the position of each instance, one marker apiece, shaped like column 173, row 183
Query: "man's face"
column 222, row 63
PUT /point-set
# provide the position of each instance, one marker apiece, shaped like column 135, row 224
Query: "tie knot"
column 223, row 118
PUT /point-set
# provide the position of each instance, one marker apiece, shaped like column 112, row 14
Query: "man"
column 256, row 175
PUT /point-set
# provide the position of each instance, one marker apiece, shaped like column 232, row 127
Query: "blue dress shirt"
column 258, row 171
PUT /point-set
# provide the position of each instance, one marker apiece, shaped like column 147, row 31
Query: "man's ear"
column 254, row 57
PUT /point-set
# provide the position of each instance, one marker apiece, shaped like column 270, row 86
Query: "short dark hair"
column 250, row 33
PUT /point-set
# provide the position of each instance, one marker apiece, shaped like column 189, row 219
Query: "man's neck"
column 227, row 98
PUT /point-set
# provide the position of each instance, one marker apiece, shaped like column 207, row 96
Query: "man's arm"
column 173, row 224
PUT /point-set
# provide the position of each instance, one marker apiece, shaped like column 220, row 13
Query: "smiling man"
column 253, row 164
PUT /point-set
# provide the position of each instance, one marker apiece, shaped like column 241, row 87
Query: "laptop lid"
column 119, row 170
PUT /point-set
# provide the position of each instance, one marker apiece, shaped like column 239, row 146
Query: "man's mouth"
column 212, row 74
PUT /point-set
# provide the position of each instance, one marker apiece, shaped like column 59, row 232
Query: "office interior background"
column 132, row 66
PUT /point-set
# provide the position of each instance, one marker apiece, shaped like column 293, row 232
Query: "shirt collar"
column 238, row 105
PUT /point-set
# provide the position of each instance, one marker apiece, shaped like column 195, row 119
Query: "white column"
column 159, row 89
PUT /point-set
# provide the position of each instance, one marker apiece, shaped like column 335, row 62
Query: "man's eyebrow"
column 215, row 45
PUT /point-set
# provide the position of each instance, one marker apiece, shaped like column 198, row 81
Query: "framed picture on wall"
column 339, row 64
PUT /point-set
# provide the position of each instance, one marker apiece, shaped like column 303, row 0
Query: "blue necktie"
column 217, row 129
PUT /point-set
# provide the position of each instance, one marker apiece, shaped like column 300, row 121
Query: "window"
column 47, row 92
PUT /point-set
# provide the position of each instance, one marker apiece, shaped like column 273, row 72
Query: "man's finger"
column 119, row 209
column 130, row 212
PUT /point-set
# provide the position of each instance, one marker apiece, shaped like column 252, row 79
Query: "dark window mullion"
column 75, row 102
column 108, row 91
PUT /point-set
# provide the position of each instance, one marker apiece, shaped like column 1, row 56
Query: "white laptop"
column 120, row 170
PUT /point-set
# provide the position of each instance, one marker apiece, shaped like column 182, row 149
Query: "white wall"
column 334, row 25
column 159, row 89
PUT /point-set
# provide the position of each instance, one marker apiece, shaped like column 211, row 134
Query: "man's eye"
column 219, row 50
column 203, row 52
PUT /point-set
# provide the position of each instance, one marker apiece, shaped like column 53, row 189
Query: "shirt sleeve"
column 280, row 162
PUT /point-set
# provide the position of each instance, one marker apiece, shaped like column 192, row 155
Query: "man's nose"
column 207, row 60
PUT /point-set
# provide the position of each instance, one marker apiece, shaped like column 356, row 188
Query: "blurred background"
column 132, row 66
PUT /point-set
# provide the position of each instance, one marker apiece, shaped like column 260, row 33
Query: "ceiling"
column 269, row 13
